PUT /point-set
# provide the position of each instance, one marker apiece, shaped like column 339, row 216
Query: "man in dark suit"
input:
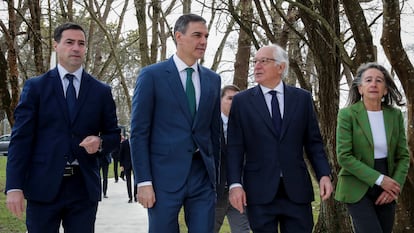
column 271, row 126
column 64, row 117
column 238, row 221
column 126, row 167
column 175, row 134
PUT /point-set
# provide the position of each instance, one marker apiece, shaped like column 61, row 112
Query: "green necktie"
column 189, row 90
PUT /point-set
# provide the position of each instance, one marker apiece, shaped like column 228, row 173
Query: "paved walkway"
column 116, row 215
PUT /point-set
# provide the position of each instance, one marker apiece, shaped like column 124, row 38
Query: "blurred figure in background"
column 115, row 159
column 238, row 221
column 104, row 161
column 126, row 168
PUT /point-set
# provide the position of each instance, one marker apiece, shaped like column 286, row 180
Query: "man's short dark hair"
column 182, row 22
column 229, row 88
column 66, row 26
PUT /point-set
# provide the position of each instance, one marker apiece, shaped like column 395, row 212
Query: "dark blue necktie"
column 276, row 116
column 71, row 96
column 190, row 91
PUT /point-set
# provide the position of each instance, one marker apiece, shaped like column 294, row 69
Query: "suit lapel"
column 173, row 77
column 59, row 92
column 289, row 108
column 259, row 103
column 361, row 117
column 204, row 94
column 389, row 124
column 85, row 85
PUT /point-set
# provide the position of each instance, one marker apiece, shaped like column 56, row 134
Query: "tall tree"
column 396, row 54
column 322, row 34
column 241, row 65
column 13, row 73
column 36, row 36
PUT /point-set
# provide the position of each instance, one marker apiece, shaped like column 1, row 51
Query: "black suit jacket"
column 125, row 155
column 221, row 166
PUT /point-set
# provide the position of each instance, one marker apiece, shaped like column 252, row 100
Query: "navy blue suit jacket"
column 251, row 135
column 43, row 135
column 163, row 132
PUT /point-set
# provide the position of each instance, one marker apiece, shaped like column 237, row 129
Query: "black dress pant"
column 368, row 217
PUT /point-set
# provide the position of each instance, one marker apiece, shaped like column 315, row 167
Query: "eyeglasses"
column 263, row 61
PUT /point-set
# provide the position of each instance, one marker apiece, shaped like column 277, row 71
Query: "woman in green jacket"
column 371, row 150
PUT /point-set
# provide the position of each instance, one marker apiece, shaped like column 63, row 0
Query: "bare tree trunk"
column 394, row 50
column 186, row 6
column 155, row 18
column 142, row 30
column 35, row 35
column 4, row 90
column 12, row 62
column 332, row 215
column 365, row 49
column 241, row 66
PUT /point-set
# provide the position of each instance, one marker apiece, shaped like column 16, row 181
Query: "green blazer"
column 355, row 151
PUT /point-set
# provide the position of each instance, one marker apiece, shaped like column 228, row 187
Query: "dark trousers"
column 368, row 217
column 104, row 168
column 71, row 207
column 116, row 164
column 238, row 222
column 281, row 214
column 128, row 177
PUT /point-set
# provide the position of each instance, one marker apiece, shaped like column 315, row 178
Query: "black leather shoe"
column 129, row 201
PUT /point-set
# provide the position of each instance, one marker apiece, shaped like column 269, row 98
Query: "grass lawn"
column 8, row 223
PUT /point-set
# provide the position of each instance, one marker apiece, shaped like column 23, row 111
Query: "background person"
column 371, row 150
column 60, row 125
column 175, row 134
column 270, row 128
column 104, row 161
column 126, row 168
column 115, row 159
column 238, row 221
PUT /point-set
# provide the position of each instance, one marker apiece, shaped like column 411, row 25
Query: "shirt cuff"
column 14, row 190
column 145, row 183
column 379, row 180
column 235, row 185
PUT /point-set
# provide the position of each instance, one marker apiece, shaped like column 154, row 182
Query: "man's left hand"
column 91, row 144
column 325, row 187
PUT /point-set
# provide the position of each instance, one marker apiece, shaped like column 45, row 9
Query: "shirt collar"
column 224, row 118
column 62, row 72
column 279, row 88
column 181, row 66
